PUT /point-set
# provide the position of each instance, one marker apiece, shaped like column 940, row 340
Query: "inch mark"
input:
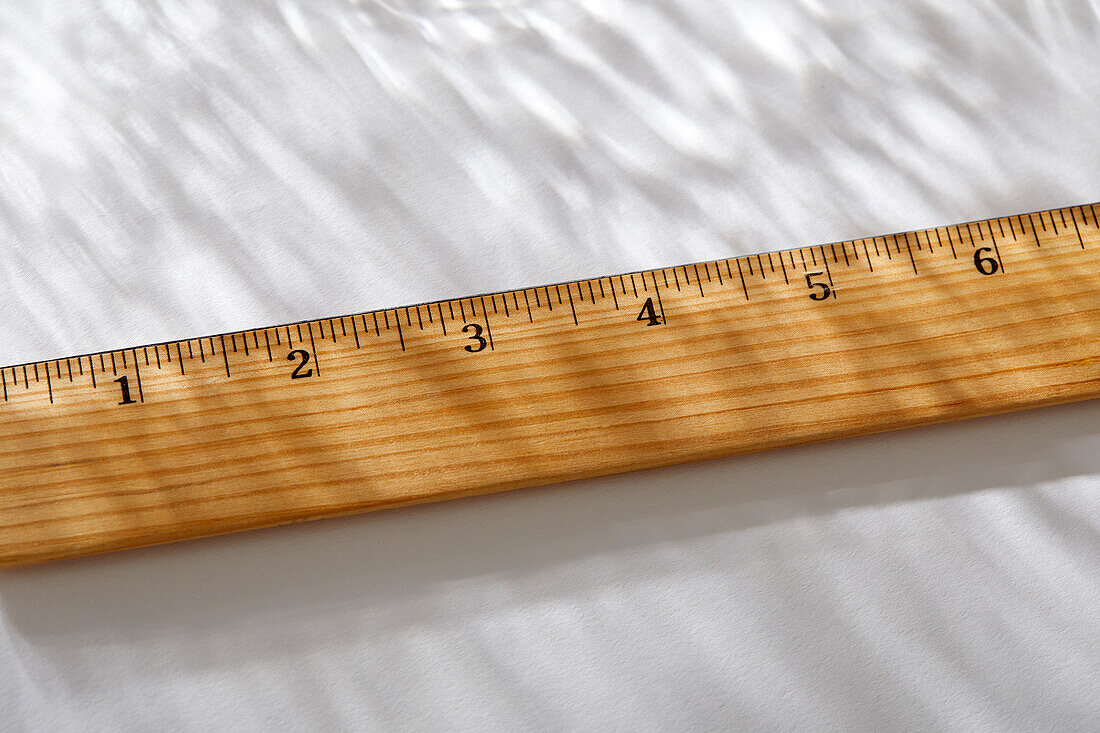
column 741, row 273
column 488, row 328
column 657, row 290
column 225, row 356
column 442, row 321
column 137, row 373
column 828, row 274
column 313, row 346
column 400, row 335
column 1076, row 228
column 908, row 248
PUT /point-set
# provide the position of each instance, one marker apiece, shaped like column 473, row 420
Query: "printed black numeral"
column 821, row 290
column 302, row 357
column 481, row 342
column 124, row 382
column 649, row 314
column 985, row 265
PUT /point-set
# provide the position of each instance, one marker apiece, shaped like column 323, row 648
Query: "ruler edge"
column 506, row 291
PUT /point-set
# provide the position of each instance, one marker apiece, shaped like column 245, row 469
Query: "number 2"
column 303, row 355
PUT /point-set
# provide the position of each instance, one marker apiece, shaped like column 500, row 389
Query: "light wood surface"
column 402, row 406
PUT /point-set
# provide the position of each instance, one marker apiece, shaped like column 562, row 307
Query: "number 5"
column 824, row 292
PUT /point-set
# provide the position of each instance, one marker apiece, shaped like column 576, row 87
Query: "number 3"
column 481, row 342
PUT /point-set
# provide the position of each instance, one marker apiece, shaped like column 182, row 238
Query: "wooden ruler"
column 405, row 405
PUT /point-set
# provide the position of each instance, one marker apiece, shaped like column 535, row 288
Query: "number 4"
column 649, row 314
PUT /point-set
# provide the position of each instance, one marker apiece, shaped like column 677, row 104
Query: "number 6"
column 985, row 265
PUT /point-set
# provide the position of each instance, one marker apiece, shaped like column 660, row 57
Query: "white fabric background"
column 178, row 167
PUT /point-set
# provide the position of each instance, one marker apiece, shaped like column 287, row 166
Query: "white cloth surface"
column 171, row 168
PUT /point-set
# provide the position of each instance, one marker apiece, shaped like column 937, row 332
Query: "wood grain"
column 401, row 407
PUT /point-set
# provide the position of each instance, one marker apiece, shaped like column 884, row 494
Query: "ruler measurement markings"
column 996, row 248
column 660, row 303
column 137, row 373
column 488, row 327
column 1077, row 229
column 741, row 274
column 828, row 273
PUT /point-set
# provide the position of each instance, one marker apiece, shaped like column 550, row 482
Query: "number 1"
column 124, row 382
